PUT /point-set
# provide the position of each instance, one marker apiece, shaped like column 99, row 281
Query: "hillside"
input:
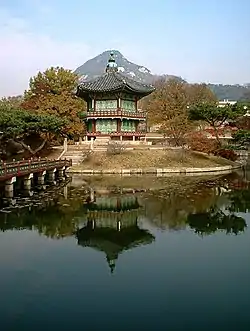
column 96, row 66
column 229, row 92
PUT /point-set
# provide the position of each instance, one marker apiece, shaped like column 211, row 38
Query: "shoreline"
column 157, row 171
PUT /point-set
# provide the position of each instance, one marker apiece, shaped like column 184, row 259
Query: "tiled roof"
column 113, row 81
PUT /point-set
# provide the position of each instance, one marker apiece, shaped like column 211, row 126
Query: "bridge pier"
column 61, row 173
column 9, row 187
column 25, row 170
column 51, row 175
column 41, row 178
column 27, row 182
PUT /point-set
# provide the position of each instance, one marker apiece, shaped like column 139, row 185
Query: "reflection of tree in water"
column 214, row 202
column 240, row 200
column 52, row 215
column 216, row 220
column 204, row 201
column 51, row 222
column 170, row 209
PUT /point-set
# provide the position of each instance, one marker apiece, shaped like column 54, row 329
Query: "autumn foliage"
column 52, row 93
column 228, row 154
column 198, row 141
column 167, row 107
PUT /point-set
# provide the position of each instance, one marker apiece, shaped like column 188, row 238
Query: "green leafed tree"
column 22, row 127
column 213, row 115
column 14, row 101
column 52, row 93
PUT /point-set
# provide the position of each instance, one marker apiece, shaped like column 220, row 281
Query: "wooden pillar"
column 93, row 126
column 119, row 125
column 136, row 104
column 136, row 126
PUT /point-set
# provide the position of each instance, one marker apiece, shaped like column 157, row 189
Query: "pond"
column 138, row 253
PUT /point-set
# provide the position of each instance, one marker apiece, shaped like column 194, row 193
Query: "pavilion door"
column 106, row 126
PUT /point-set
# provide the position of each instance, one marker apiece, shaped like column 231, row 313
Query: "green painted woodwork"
column 106, row 105
column 128, row 126
column 128, row 105
column 127, row 96
column 90, row 105
column 89, row 126
column 125, row 202
column 106, row 125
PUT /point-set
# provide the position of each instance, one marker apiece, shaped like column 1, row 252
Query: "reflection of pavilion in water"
column 112, row 226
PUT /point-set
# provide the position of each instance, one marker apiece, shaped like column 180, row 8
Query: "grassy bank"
column 151, row 158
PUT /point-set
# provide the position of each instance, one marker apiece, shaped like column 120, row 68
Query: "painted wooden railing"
column 122, row 133
column 24, row 167
column 119, row 112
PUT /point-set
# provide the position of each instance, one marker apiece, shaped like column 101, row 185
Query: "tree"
column 52, row 93
column 246, row 94
column 14, row 101
column 213, row 115
column 167, row 107
column 20, row 125
column 200, row 93
column 242, row 137
column 214, row 220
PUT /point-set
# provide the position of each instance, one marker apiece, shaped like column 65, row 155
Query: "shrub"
column 116, row 147
column 198, row 141
column 228, row 154
column 86, row 155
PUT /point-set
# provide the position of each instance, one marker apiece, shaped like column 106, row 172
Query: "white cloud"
column 24, row 52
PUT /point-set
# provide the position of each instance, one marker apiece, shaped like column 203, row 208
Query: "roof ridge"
column 94, row 79
column 133, row 80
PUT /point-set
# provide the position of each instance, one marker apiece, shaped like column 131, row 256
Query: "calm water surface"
column 174, row 254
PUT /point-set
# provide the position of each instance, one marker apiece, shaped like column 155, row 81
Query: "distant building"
column 226, row 102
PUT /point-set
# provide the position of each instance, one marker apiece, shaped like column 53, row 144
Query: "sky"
column 199, row 40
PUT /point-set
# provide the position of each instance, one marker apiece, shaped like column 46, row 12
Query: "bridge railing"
column 23, row 167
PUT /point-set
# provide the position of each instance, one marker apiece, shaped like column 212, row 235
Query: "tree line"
column 49, row 111
column 187, row 113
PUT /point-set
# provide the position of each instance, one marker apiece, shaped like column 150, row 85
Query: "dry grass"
column 150, row 159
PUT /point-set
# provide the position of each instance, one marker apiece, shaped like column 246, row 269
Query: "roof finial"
column 111, row 259
column 112, row 65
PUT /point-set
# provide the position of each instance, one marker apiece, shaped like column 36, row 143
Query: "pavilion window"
column 106, row 105
column 128, row 105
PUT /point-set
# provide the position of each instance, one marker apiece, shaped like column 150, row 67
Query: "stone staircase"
column 101, row 144
column 76, row 153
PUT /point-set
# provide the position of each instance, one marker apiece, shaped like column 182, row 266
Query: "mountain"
column 96, row 67
column 229, row 92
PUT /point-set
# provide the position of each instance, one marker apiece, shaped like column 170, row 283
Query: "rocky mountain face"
column 96, row 67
